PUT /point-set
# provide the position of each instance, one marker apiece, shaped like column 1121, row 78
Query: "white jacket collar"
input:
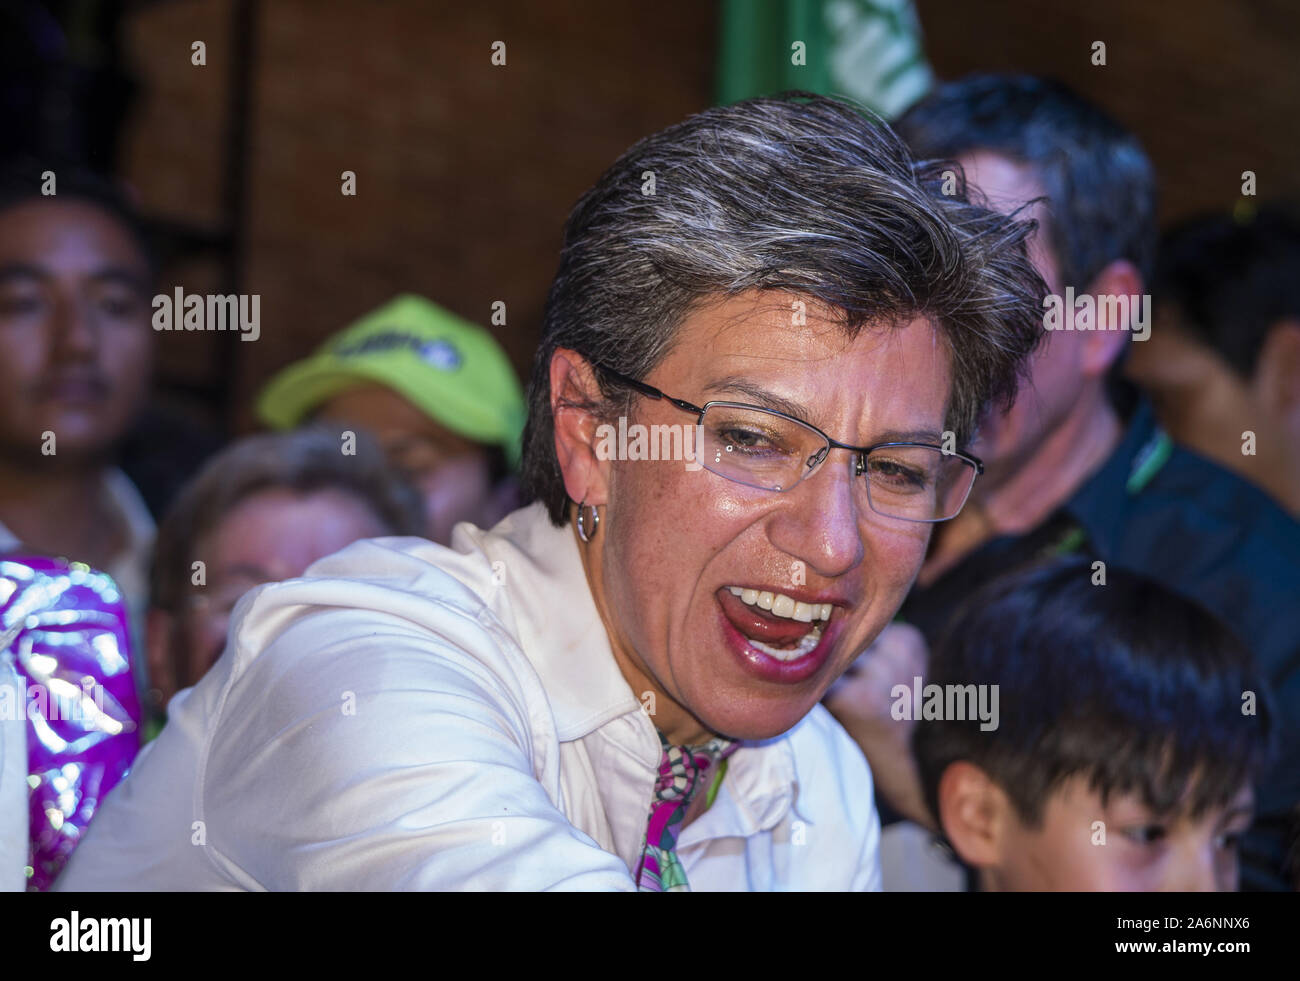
column 556, row 619
column 560, row 630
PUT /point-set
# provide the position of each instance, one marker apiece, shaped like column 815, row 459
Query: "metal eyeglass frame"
column 810, row 468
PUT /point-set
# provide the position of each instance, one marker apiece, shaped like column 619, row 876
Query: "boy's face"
column 1083, row 845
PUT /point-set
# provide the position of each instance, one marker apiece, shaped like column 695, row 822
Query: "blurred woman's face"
column 674, row 541
column 451, row 473
column 269, row 536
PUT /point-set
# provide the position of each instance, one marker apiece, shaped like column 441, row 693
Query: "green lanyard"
column 717, row 783
column 1149, row 461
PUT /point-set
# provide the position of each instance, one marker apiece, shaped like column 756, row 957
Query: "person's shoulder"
column 396, row 622
column 1223, row 512
column 835, row 795
column 384, row 599
column 408, row 578
column 1166, row 510
column 406, row 566
column 819, row 735
column 383, row 653
column 827, row 761
column 1212, row 488
column 408, row 575
column 1210, row 534
column 1155, row 493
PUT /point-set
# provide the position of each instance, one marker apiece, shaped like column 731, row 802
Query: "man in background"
column 1223, row 364
column 76, row 351
column 1064, row 471
column 436, row 391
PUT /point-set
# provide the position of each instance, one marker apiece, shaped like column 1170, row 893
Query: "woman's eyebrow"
column 760, row 395
column 770, row 400
column 909, row 436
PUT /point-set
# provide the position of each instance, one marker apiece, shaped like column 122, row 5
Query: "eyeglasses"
column 771, row 450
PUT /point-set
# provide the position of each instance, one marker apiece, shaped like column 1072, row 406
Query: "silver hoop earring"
column 583, row 533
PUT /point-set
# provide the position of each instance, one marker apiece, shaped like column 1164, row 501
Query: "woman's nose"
column 819, row 521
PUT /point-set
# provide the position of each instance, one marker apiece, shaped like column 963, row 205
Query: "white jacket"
column 408, row 716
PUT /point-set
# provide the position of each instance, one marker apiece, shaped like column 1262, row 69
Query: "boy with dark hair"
column 1131, row 726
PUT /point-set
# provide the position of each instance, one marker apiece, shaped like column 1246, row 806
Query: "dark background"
column 465, row 171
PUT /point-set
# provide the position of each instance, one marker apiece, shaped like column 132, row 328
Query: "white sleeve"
column 13, row 780
column 361, row 751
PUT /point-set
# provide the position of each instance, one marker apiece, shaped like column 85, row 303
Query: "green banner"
column 868, row 50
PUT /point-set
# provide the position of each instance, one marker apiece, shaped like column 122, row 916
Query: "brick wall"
column 1209, row 85
column 465, row 171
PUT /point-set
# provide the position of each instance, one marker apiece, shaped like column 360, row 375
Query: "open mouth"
column 774, row 623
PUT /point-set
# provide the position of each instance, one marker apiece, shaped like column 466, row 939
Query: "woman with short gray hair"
column 768, row 339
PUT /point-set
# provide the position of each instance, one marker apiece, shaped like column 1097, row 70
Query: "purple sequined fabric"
column 63, row 628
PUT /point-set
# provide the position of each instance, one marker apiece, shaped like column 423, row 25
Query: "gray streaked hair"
column 1101, row 187
column 797, row 193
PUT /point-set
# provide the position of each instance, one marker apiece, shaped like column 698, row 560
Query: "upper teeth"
column 783, row 606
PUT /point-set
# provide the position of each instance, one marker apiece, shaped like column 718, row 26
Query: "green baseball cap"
column 448, row 367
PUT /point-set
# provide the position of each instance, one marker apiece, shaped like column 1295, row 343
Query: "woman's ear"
column 578, row 431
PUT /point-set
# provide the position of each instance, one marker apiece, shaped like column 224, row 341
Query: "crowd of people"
column 938, row 567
